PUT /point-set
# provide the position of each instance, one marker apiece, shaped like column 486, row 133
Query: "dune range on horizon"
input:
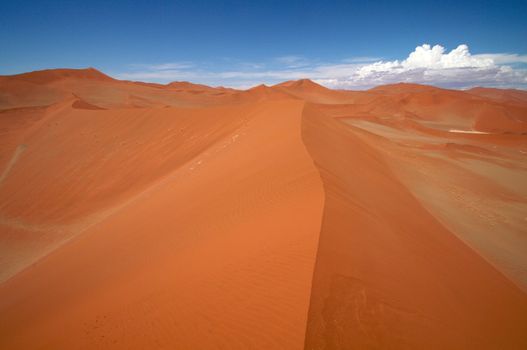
column 181, row 216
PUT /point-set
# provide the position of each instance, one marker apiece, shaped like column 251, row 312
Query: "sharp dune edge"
column 181, row 216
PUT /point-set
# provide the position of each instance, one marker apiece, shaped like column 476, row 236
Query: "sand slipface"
column 140, row 216
column 388, row 274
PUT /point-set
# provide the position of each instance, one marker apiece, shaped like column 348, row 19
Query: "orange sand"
column 181, row 216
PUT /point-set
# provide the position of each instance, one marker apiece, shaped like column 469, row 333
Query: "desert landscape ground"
column 182, row 216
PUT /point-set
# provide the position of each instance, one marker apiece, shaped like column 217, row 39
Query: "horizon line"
column 314, row 81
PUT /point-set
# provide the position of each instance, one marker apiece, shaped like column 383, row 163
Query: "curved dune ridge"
column 148, row 216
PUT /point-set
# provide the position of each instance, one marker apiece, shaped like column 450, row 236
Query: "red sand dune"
column 148, row 216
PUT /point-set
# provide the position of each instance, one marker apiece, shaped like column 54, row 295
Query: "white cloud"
column 434, row 65
column 293, row 61
column 427, row 64
column 162, row 66
column 435, row 57
column 361, row 59
column 504, row 58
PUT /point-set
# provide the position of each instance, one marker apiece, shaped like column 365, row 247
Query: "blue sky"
column 346, row 44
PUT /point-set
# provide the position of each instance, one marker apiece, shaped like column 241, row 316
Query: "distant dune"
column 181, row 216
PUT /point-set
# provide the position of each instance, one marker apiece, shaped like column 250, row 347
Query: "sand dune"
column 387, row 270
column 147, row 216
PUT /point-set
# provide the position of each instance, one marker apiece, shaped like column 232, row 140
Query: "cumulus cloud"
column 436, row 57
column 427, row 64
column 434, row 65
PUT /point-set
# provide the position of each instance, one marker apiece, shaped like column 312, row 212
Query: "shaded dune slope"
column 388, row 275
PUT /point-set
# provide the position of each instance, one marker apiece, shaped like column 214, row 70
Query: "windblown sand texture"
column 181, row 216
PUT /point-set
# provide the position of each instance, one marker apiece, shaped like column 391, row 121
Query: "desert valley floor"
column 181, row 216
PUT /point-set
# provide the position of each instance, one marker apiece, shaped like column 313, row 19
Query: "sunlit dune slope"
column 43, row 88
column 69, row 168
column 218, row 253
